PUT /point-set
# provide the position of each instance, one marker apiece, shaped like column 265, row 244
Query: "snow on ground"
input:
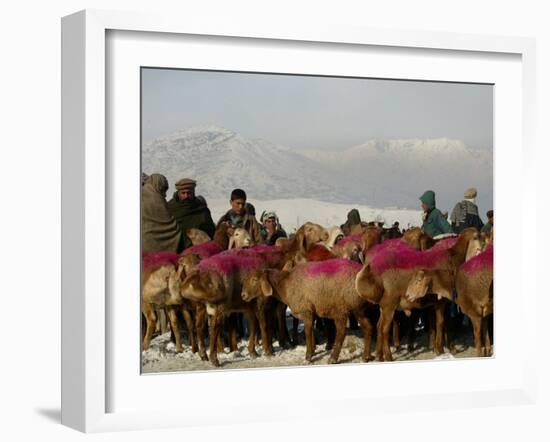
column 293, row 213
column 161, row 356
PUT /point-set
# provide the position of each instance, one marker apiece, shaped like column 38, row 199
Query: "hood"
column 428, row 198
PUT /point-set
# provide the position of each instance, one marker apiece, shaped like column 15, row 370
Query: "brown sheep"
column 387, row 272
column 474, row 292
column 217, row 282
column 325, row 289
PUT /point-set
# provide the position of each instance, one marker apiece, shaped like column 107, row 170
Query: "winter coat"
column 487, row 228
column 353, row 219
column 247, row 221
column 191, row 214
column 434, row 222
column 465, row 214
column 279, row 233
column 159, row 229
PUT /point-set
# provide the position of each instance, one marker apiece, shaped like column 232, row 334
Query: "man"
column 488, row 228
column 465, row 213
column 271, row 229
column 242, row 215
column 434, row 223
column 159, row 229
column 353, row 219
column 190, row 210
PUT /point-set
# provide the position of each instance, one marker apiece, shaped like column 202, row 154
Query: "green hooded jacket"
column 434, row 223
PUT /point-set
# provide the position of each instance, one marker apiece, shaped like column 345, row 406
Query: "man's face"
column 238, row 206
column 186, row 194
column 424, row 207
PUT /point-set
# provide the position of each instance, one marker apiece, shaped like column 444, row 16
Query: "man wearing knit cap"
column 465, row 213
column 190, row 210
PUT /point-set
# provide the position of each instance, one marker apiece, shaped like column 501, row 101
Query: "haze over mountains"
column 378, row 173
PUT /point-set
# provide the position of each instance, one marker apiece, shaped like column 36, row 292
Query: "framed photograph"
column 295, row 124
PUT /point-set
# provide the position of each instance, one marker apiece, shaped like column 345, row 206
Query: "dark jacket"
column 465, row 214
column 279, row 233
column 189, row 214
column 434, row 222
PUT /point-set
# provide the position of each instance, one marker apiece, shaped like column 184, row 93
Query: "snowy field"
column 293, row 213
column 161, row 356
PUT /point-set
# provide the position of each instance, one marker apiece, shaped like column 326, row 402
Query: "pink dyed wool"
column 331, row 267
column 356, row 237
column 270, row 254
column 152, row 260
column 404, row 257
column 481, row 262
column 204, row 250
column 232, row 261
column 446, row 243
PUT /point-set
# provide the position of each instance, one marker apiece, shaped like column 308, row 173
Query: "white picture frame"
column 87, row 232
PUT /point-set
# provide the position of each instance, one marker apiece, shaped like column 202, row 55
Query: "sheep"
column 335, row 234
column 388, row 269
column 325, row 289
column 217, row 282
column 474, row 292
column 159, row 280
column 417, row 239
column 197, row 236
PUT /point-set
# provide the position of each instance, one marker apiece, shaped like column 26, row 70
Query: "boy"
column 242, row 214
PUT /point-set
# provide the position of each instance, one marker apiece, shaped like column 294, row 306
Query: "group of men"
column 465, row 214
column 165, row 223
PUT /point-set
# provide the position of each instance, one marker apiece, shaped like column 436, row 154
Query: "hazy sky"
column 315, row 112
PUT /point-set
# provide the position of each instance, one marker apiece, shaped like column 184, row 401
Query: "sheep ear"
column 266, row 287
column 231, row 243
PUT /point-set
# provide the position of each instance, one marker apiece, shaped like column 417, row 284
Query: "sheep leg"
column 215, row 323
column 439, row 327
column 251, row 318
column 173, row 318
column 284, row 339
column 383, row 351
column 366, row 327
column 151, row 318
column 200, row 322
column 330, row 332
column 266, row 339
column 232, row 331
column 310, row 339
column 339, row 340
column 395, row 333
column 190, row 327
column 476, row 326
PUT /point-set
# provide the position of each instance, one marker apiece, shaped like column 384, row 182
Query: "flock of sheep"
column 320, row 275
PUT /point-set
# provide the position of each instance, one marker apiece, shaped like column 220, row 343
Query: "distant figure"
column 242, row 215
column 190, row 210
column 271, row 228
column 354, row 219
column 434, row 223
column 465, row 213
column 488, row 228
column 159, row 229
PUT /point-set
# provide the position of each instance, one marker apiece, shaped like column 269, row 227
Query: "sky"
column 305, row 112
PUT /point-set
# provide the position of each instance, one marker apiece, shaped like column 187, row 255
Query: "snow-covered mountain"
column 378, row 173
column 221, row 160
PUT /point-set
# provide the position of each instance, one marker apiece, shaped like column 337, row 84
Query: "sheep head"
column 468, row 244
column 185, row 264
column 238, row 238
column 197, row 236
column 308, row 234
column 256, row 284
column 335, row 234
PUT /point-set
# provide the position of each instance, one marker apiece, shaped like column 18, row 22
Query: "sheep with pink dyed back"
column 217, row 282
column 474, row 292
column 325, row 289
column 388, row 270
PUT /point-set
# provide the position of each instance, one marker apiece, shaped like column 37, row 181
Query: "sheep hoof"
column 332, row 360
column 253, row 354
